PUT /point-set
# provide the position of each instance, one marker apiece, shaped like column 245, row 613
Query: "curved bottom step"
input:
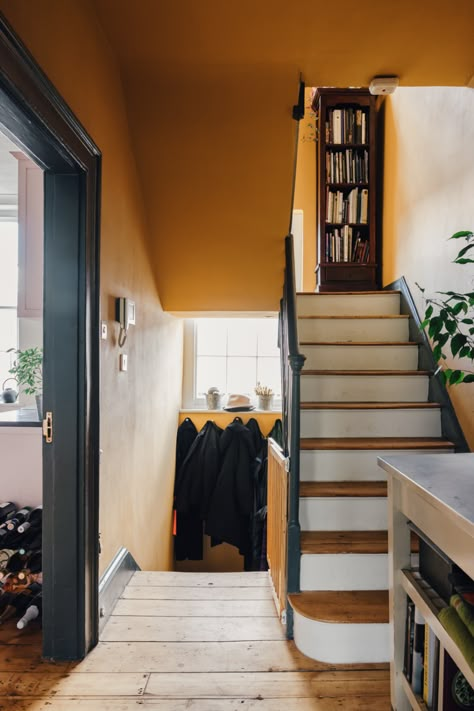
column 342, row 627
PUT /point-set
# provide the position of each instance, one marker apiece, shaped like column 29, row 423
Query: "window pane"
column 242, row 337
column 241, row 376
column 211, row 336
column 8, row 339
column 269, row 373
column 268, row 337
column 210, row 372
column 9, row 263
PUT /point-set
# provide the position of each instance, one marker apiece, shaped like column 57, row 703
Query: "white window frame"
column 189, row 400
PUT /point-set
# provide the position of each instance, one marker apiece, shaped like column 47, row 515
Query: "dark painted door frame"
column 35, row 116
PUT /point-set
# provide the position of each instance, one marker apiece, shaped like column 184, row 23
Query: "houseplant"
column 28, row 371
column 449, row 318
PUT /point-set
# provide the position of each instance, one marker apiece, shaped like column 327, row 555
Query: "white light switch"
column 123, row 361
column 103, row 330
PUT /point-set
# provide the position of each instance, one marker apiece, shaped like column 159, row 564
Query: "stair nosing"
column 308, row 444
column 374, row 543
column 356, row 317
column 378, row 599
column 388, row 292
column 343, row 489
column 376, row 373
column 359, row 343
column 368, row 405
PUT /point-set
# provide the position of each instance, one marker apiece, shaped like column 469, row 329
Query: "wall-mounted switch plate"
column 123, row 362
column 103, row 330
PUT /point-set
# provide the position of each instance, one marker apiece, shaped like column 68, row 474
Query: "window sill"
column 199, row 410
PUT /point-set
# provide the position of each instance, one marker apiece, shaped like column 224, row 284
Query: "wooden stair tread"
column 366, row 372
column 343, row 488
column 358, row 343
column 344, row 542
column 369, row 405
column 342, row 606
column 343, row 293
column 336, row 443
column 355, row 316
column 327, row 542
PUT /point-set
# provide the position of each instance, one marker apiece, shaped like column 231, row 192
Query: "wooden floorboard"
column 196, row 608
column 343, row 703
column 187, row 642
column 160, row 592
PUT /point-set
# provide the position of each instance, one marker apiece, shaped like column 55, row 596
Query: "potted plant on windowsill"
column 28, row 371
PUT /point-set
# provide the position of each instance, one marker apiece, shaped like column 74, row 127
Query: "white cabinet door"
column 30, row 237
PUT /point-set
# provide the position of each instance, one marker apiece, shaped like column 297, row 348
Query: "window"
column 8, row 295
column 232, row 354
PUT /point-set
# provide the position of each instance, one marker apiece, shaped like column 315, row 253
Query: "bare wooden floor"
column 187, row 642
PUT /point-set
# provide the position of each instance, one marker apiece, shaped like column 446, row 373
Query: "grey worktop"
column 446, row 480
column 23, row 417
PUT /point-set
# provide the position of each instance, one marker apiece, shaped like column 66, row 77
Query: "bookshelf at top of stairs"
column 362, row 396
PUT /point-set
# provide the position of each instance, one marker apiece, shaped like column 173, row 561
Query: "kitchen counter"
column 22, row 417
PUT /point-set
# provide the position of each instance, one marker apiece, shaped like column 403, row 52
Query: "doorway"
column 35, row 117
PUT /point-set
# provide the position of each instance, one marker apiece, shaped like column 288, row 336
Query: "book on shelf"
column 430, row 667
column 418, row 652
column 457, row 692
column 409, row 631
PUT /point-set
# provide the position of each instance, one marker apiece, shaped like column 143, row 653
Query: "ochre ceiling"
column 209, row 87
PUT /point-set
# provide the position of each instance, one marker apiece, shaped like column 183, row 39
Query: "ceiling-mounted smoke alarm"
column 383, row 85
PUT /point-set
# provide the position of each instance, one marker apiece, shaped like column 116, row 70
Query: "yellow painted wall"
column 223, row 558
column 428, row 195
column 216, row 179
column 139, row 409
column 305, row 191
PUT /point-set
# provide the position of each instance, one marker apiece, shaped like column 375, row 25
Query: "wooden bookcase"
column 434, row 491
column 346, row 186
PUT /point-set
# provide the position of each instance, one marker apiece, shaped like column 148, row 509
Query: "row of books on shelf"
column 343, row 245
column 347, row 206
column 347, row 166
column 349, row 125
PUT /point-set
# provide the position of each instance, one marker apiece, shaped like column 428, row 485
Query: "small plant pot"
column 265, row 402
column 214, row 401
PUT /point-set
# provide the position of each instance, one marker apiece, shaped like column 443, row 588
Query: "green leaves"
column 450, row 320
column 28, row 370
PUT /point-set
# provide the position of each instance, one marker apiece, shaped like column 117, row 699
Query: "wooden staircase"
column 362, row 396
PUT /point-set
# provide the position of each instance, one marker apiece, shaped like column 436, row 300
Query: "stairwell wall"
column 427, row 196
column 139, row 408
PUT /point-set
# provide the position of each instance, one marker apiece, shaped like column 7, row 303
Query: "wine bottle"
column 17, row 562
column 7, row 509
column 20, row 516
column 34, row 520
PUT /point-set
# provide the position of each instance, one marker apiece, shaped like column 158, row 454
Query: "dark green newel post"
column 293, row 541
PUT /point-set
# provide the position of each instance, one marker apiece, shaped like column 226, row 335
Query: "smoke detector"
column 383, row 85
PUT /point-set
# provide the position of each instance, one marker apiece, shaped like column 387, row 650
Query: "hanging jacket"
column 232, row 501
column 194, row 485
column 186, row 525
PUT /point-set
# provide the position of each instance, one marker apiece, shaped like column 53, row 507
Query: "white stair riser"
column 352, row 329
column 345, row 304
column 360, row 357
column 343, row 513
column 349, row 464
column 344, row 571
column 342, row 643
column 364, row 388
column 371, row 423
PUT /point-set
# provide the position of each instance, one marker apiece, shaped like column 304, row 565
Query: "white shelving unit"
column 436, row 493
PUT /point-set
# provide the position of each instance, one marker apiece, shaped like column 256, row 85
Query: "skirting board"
column 113, row 582
column 438, row 392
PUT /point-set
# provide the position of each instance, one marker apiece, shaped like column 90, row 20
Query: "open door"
column 37, row 119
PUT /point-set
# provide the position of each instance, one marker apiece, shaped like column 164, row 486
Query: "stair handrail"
column 291, row 362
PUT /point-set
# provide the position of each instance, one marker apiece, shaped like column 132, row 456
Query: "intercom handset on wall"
column 125, row 315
